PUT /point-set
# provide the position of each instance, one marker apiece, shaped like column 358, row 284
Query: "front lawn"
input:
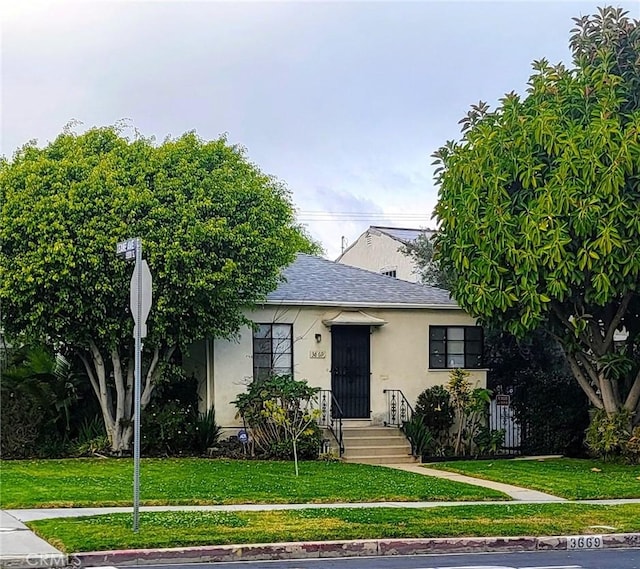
column 571, row 478
column 183, row 529
column 108, row 482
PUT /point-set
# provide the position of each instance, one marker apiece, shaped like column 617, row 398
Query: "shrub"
column 610, row 436
column 433, row 406
column 167, row 428
column 471, row 408
column 21, row 424
column 631, row 450
column 489, row 441
column 419, row 435
column 278, row 411
column 92, row 438
column 38, row 389
column 307, row 447
column 171, row 424
column 206, row 431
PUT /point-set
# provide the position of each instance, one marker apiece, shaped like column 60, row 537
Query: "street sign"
column 146, row 297
column 127, row 249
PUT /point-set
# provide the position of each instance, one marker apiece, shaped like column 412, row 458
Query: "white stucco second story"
column 381, row 249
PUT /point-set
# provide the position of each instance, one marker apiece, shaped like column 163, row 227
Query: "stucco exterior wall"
column 378, row 252
column 399, row 355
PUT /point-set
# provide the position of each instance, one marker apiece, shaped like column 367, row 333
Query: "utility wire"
column 354, row 215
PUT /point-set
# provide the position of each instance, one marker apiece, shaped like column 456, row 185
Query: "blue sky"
column 343, row 101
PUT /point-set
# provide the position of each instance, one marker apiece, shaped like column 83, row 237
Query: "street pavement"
column 22, row 549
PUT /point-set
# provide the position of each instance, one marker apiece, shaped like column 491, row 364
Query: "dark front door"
column 350, row 370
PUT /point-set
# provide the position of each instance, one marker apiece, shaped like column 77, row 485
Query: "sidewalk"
column 22, row 549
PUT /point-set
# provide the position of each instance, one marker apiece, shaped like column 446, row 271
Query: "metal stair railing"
column 331, row 416
column 399, row 410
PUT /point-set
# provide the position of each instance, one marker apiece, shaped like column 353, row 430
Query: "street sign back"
column 146, row 296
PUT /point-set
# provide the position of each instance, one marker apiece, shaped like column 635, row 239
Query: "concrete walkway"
column 21, row 549
column 516, row 492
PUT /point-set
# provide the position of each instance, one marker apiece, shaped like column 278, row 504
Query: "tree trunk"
column 116, row 397
column 295, row 456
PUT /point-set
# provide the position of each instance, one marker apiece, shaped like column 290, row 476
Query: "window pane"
column 261, row 346
column 262, row 360
column 282, row 361
column 282, row 331
column 261, row 373
column 281, row 346
column 455, row 361
column 474, row 348
column 437, row 362
column 436, row 332
column 455, row 348
column 474, row 333
column 474, row 361
column 282, row 370
column 455, row 333
column 263, row 331
column 437, row 347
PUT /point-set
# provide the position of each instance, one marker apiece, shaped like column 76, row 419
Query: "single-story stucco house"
column 354, row 332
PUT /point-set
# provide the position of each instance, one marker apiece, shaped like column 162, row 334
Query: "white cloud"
column 344, row 101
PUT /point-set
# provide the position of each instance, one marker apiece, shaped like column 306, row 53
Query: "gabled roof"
column 404, row 234
column 311, row 280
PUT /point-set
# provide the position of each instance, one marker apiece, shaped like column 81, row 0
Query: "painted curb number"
column 584, row 542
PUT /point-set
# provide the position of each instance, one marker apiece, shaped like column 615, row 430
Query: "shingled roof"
column 403, row 234
column 317, row 281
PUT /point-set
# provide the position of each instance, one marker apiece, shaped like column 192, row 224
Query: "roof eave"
column 340, row 304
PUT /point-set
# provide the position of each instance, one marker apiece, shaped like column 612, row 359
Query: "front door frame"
column 351, row 370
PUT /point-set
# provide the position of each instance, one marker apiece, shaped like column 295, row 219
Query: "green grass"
column 574, row 479
column 108, row 482
column 182, row 529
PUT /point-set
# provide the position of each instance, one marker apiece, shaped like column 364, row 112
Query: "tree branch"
column 90, row 374
column 596, row 337
column 98, row 385
column 584, row 382
column 567, row 324
column 593, row 374
column 634, row 394
column 129, row 386
column 615, row 321
column 149, row 383
column 101, row 373
column 121, row 410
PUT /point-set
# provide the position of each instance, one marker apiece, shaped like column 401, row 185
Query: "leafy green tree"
column 422, row 252
column 216, row 232
column 539, row 206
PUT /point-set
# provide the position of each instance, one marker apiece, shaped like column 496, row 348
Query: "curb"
column 35, row 561
column 329, row 549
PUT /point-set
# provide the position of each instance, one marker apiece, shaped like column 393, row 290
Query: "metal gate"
column 502, row 416
column 350, row 370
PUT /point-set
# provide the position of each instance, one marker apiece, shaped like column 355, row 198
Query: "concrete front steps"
column 376, row 445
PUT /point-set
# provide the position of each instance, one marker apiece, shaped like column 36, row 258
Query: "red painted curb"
column 327, row 549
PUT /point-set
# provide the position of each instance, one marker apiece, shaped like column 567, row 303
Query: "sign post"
column 140, row 304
